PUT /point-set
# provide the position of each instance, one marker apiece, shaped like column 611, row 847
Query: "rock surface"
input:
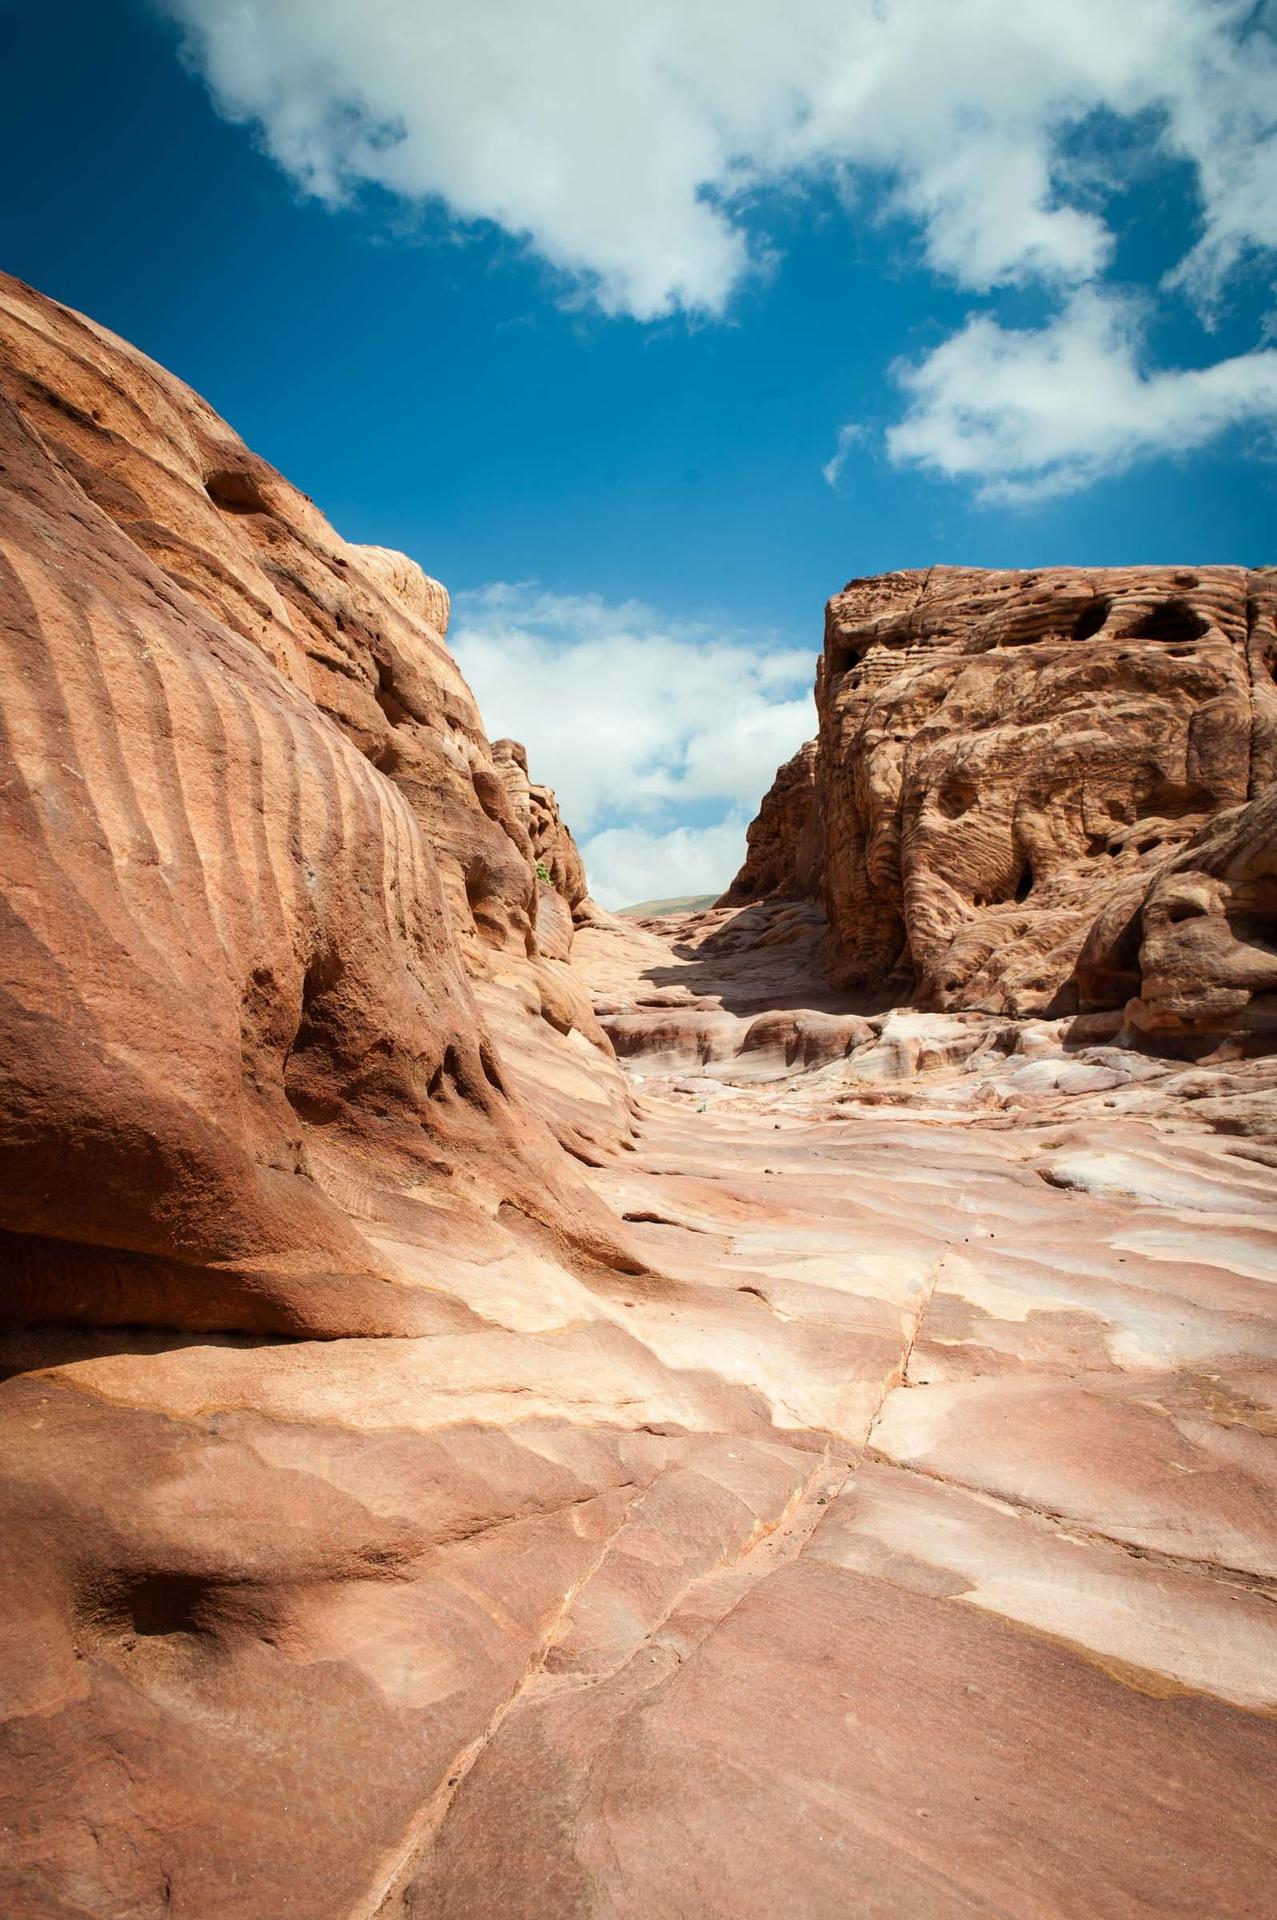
column 255, row 844
column 783, row 842
column 1007, row 758
column 828, row 1471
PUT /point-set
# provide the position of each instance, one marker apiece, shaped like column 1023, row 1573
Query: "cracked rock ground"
column 511, row 1413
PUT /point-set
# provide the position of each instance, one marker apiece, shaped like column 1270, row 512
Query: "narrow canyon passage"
column 513, row 1410
column 1011, row 1554
column 907, row 1503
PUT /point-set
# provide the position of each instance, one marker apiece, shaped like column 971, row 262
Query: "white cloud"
column 625, row 712
column 622, row 142
column 629, row 864
column 848, row 435
column 1034, row 412
column 639, row 722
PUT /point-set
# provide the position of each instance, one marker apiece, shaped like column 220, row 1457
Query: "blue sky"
column 644, row 327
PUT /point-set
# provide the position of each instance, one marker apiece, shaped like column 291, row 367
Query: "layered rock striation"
column 826, row 1468
column 1024, row 781
column 783, row 841
column 258, row 856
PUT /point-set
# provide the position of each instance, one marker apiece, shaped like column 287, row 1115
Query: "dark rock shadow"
column 767, row 956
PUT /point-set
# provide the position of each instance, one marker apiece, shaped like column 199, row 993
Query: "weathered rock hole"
column 446, row 1078
column 307, row 1097
column 1173, row 620
column 1181, row 910
column 1091, row 619
column 846, row 655
column 236, row 490
column 956, row 799
column 148, row 1606
column 168, row 1603
column 1024, row 885
column 386, row 697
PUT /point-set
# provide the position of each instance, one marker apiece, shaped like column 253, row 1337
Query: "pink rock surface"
column 826, row 1468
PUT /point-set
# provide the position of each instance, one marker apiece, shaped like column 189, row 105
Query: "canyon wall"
column 443, row 1477
column 269, row 896
column 1043, row 792
column 783, row 841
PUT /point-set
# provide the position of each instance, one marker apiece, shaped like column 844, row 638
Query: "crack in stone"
column 1072, row 1529
column 430, row 1818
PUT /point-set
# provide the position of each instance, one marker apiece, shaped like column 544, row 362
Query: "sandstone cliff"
column 783, row 844
column 1012, row 768
column 256, row 847
column 826, row 1471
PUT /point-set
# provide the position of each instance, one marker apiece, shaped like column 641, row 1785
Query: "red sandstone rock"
column 553, row 847
column 239, row 982
column 813, row 1491
column 358, row 631
column 784, row 848
column 1200, row 951
column 1006, row 756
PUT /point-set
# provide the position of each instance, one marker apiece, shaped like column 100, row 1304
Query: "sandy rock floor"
column 898, row 1539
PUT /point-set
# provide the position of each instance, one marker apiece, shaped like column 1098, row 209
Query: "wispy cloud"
column 848, row 435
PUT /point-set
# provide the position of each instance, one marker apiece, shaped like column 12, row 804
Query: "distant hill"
column 687, row 903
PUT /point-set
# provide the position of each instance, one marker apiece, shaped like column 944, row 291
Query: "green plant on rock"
column 544, row 875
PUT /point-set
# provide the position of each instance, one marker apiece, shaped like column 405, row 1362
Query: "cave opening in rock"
column 1170, row 621
column 1091, row 619
column 235, row 490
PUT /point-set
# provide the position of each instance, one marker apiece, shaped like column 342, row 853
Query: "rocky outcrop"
column 553, row 847
column 255, row 842
column 783, row 845
column 445, row 1478
column 358, row 632
column 1013, row 768
column 562, row 891
column 1199, row 953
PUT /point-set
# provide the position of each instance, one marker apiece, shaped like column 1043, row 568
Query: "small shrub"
column 543, row 874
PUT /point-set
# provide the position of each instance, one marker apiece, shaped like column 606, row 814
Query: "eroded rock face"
column 358, row 631
column 536, row 807
column 404, row 1516
column 1005, row 756
column 1204, row 937
column 784, row 855
column 252, row 833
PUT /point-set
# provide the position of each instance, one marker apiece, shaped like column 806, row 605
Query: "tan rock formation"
column 233, row 938
column 1008, row 760
column 358, row 631
column 785, row 855
column 552, row 844
column 1199, row 954
column 814, row 1490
